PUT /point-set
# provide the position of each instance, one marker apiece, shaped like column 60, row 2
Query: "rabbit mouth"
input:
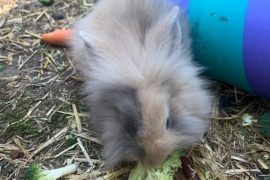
column 156, row 151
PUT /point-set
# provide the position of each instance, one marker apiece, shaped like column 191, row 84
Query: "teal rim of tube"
column 217, row 32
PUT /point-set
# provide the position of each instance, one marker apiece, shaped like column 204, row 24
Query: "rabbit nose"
column 152, row 162
column 154, row 156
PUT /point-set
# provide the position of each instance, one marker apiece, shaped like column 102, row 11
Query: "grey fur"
column 116, row 118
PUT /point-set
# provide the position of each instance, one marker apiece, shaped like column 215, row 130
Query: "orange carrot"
column 58, row 37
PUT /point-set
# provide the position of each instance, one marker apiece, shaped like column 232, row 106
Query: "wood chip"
column 50, row 141
column 27, row 60
column 17, row 141
column 77, row 118
column 84, row 152
column 41, row 14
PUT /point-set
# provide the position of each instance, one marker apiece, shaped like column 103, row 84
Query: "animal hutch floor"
column 43, row 120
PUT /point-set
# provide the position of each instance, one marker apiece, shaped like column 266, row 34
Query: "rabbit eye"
column 167, row 123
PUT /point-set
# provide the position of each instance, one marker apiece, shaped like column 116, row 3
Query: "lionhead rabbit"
column 146, row 96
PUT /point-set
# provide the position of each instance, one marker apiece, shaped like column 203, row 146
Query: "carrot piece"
column 58, row 37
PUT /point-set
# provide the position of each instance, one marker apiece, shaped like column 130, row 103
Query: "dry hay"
column 40, row 107
column 6, row 5
column 231, row 150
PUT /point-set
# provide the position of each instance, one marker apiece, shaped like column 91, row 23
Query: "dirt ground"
column 43, row 117
column 40, row 92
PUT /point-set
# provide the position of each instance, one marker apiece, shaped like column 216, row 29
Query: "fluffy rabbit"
column 146, row 96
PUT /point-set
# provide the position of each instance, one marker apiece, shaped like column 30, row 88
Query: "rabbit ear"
column 93, row 45
column 86, row 38
column 170, row 19
column 167, row 32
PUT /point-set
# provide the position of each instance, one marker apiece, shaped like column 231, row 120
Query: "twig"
column 84, row 152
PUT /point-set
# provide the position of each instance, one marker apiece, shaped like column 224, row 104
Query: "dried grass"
column 231, row 150
column 40, row 107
